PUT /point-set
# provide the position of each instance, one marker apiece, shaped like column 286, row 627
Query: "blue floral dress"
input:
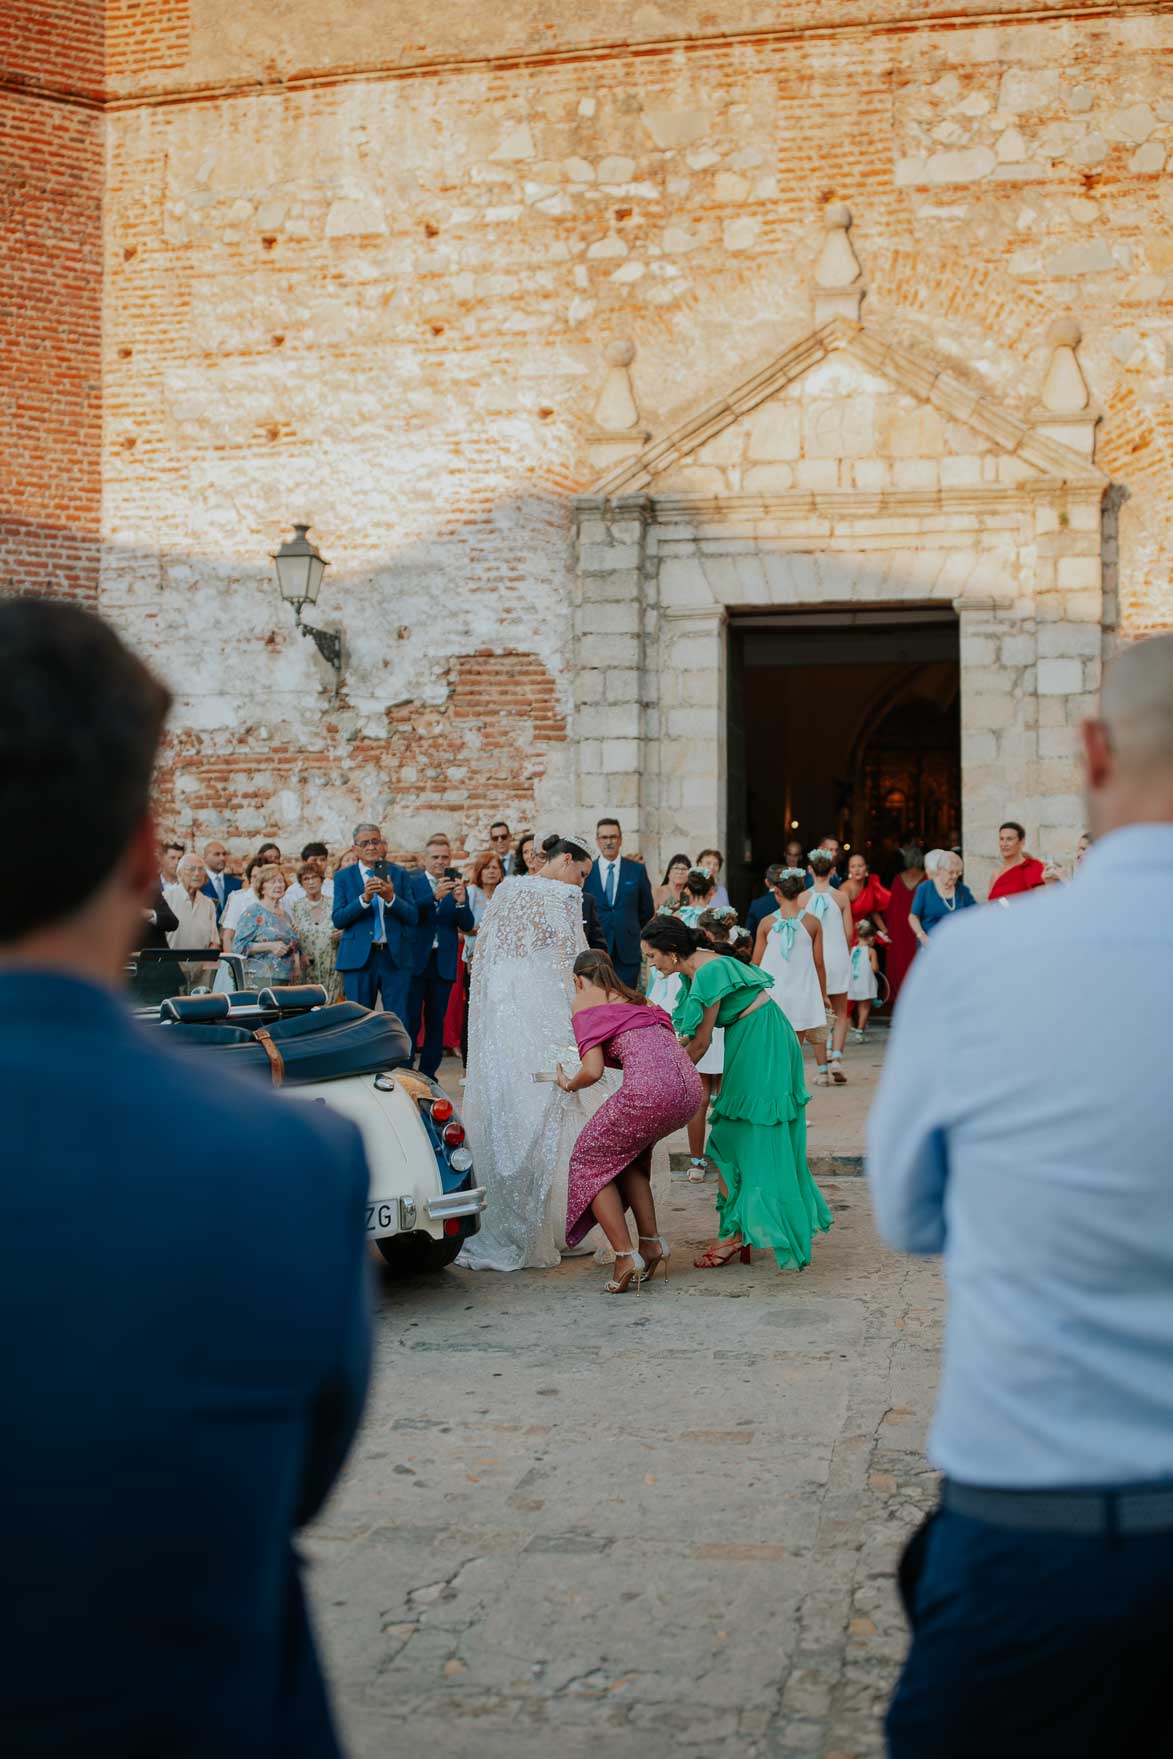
column 259, row 923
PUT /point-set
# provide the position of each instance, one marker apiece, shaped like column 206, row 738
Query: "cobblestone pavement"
column 673, row 1516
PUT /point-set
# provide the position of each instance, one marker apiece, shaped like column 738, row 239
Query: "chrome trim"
column 456, row 1203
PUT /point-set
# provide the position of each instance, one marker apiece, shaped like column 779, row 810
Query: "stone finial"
column 839, row 287
column 617, row 434
column 616, row 411
column 1066, row 412
column 1064, row 387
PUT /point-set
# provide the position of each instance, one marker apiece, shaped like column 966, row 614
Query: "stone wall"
column 362, row 263
column 51, row 73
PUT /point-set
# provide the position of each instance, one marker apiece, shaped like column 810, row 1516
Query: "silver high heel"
column 665, row 1255
column 620, row 1285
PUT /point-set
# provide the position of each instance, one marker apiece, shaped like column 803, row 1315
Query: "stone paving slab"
column 672, row 1516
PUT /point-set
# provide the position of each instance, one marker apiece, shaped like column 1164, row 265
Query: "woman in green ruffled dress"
column 757, row 1134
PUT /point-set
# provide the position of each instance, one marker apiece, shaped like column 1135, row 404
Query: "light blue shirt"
column 379, row 927
column 1024, row 1127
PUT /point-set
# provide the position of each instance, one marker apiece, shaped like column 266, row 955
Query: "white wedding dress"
column 522, row 1132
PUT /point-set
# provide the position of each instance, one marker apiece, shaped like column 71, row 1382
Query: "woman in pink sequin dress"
column 611, row 1164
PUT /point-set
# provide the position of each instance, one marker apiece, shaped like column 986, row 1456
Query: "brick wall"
column 51, row 170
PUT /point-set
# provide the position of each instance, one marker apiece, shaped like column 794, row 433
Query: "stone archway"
column 848, row 472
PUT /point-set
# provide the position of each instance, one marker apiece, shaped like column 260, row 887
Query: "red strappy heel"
column 712, row 1258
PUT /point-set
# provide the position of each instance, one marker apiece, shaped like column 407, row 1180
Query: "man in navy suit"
column 623, row 893
column 184, row 1299
column 444, row 912
column 768, row 902
column 376, row 908
column 219, row 886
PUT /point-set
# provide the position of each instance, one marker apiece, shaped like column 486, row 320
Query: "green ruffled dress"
column 757, row 1136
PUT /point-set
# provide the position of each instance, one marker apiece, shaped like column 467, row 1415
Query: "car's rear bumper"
column 456, row 1203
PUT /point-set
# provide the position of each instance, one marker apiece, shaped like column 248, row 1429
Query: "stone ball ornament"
column 621, row 352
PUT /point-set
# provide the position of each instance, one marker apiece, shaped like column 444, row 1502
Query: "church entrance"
column 843, row 723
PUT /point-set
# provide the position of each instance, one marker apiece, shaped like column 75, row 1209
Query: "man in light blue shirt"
column 1024, row 1128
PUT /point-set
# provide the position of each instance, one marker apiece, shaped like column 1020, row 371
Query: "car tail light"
column 453, row 1135
column 460, row 1160
column 441, row 1110
column 452, row 1226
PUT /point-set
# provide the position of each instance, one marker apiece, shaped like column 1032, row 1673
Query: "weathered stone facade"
column 369, row 267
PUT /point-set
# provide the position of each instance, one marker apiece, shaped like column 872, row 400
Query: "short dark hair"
column 172, row 844
column 80, row 722
column 269, row 845
column 608, row 821
column 498, row 824
column 716, row 852
column 1011, row 824
column 310, row 849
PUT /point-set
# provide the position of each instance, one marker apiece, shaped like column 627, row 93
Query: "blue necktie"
column 610, row 885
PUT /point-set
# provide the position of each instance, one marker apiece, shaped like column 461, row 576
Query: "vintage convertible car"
column 423, row 1200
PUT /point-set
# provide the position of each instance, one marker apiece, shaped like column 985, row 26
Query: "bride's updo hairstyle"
column 667, row 934
column 553, row 847
column 596, row 968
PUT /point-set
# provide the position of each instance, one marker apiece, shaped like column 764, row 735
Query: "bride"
column 521, row 1132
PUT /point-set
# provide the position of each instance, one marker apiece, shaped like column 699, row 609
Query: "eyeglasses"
column 498, row 836
column 369, row 843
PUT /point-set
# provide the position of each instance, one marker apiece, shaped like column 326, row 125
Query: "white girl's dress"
column 790, row 960
column 861, row 985
column 664, row 992
column 836, row 958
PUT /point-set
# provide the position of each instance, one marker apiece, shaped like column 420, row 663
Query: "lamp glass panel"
column 314, row 578
column 293, row 577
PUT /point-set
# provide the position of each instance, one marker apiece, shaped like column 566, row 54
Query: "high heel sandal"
column 713, row 1259
column 620, row 1285
column 665, row 1254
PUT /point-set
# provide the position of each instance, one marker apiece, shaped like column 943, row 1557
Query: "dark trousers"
column 380, row 976
column 1032, row 1645
column 429, row 1005
column 628, row 974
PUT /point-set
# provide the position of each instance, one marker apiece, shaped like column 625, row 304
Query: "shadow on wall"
column 450, row 710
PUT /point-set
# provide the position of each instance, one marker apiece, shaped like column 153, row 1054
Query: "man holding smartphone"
column 375, row 908
column 444, row 912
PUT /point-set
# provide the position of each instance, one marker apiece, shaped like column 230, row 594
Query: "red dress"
column 1024, row 878
column 872, row 898
column 901, row 940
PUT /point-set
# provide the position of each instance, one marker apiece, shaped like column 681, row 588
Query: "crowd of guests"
column 837, row 941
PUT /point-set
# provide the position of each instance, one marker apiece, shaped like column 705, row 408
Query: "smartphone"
column 452, row 873
column 381, row 869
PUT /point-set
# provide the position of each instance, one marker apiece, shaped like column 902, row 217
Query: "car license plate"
column 383, row 1218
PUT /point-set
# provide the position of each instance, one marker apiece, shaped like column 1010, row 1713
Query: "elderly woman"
column 939, row 895
column 314, row 925
column 264, row 935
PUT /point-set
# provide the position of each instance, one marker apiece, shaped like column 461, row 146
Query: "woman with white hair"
column 939, row 895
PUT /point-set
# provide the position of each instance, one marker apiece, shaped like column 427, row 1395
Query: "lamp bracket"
column 327, row 641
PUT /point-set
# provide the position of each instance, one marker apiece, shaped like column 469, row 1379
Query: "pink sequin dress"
column 661, row 1090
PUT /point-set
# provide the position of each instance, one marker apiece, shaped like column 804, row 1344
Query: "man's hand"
column 461, row 892
column 369, row 890
column 386, row 890
column 444, row 889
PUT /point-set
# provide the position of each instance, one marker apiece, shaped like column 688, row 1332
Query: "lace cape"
column 522, row 1132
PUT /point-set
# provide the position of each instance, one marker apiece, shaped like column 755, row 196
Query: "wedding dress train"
column 521, row 1132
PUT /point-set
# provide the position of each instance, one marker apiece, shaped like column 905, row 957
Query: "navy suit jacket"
column 186, row 1303
column 232, row 883
column 623, row 920
column 357, row 920
column 441, row 921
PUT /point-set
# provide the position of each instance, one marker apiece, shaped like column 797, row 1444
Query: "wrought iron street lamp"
column 300, row 567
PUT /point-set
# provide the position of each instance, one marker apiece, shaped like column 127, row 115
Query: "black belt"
column 1141, row 1509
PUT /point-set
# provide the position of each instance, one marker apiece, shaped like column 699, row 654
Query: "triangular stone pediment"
column 843, row 409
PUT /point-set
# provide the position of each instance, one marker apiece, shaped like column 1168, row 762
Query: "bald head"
column 1137, row 701
column 1128, row 750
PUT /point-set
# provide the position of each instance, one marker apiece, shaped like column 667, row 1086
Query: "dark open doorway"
column 843, row 722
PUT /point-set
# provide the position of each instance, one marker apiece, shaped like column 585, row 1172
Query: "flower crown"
column 821, row 855
column 793, row 872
